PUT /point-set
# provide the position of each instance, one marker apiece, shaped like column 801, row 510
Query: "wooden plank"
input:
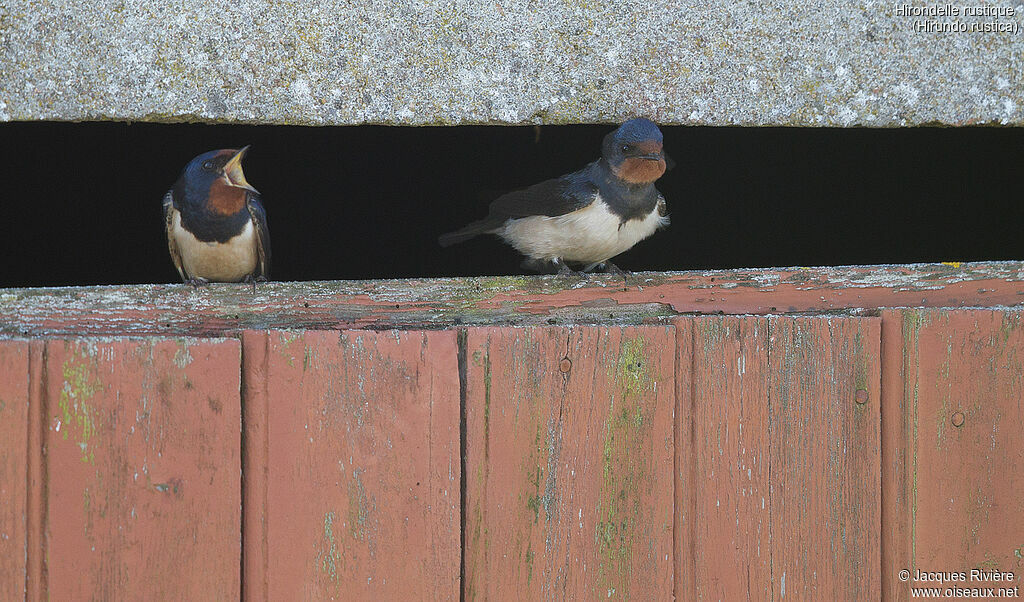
column 35, row 583
column 255, row 464
column 569, row 446
column 684, row 495
column 730, row 533
column 362, row 485
column 142, row 457
column 14, row 425
column 783, row 459
column 899, row 341
column 825, row 457
column 504, row 300
column 964, row 391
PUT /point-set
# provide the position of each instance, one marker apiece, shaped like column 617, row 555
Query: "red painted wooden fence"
column 132, row 469
column 780, row 458
column 357, row 487
column 14, row 462
column 569, row 451
column 953, row 443
column 608, row 451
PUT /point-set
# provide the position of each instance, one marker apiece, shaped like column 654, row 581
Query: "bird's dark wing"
column 550, row 197
column 259, row 223
column 172, row 246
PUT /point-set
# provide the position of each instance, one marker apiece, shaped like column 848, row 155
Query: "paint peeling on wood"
column 824, row 457
column 518, row 300
column 726, row 408
column 899, row 338
column 565, row 500
column 780, row 489
column 788, row 480
column 78, row 415
column 143, row 475
column 327, row 555
column 14, row 407
column 357, row 488
column 954, row 461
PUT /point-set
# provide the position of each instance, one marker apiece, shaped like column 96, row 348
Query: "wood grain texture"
column 14, row 425
column 255, row 464
column 569, row 453
column 783, row 461
column 362, row 486
column 729, row 409
column 964, row 465
column 685, row 477
column 142, row 466
column 824, row 457
column 898, row 361
column 505, row 300
column 35, row 586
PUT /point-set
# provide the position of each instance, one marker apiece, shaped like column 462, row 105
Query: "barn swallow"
column 216, row 225
column 586, row 217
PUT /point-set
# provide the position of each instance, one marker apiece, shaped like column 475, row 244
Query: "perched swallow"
column 216, row 225
column 588, row 216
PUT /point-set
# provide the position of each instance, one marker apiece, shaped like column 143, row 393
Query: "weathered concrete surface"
column 825, row 63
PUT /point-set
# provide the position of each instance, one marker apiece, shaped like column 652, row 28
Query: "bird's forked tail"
column 463, row 234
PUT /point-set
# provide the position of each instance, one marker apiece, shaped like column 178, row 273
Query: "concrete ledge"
column 826, row 63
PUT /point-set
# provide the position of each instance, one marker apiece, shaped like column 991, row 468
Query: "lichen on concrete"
column 428, row 62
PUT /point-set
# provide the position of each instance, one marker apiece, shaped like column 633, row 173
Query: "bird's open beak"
column 234, row 174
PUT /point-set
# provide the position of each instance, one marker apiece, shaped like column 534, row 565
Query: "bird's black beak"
column 650, row 150
column 233, row 172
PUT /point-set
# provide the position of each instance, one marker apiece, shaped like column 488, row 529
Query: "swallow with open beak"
column 215, row 222
column 587, row 217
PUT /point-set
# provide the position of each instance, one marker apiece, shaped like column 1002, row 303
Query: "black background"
column 81, row 202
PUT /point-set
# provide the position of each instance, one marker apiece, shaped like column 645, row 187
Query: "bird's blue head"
column 634, row 151
column 215, row 180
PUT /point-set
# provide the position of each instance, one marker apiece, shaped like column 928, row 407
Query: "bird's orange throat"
column 226, row 199
column 640, row 171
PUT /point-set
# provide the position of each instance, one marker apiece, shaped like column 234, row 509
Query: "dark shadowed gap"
column 82, row 201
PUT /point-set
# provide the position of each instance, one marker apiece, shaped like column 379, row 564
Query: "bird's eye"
column 208, row 165
column 626, row 147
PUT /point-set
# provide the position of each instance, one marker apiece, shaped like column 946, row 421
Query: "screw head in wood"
column 958, row 418
column 862, row 396
column 565, row 365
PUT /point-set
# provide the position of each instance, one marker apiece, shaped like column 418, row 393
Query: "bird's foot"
column 565, row 270
column 250, row 279
column 550, row 266
column 547, row 266
column 610, row 268
column 197, row 282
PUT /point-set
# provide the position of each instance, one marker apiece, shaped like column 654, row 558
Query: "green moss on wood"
column 625, row 470
column 79, row 416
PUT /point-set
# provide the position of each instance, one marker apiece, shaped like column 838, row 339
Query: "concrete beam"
column 423, row 62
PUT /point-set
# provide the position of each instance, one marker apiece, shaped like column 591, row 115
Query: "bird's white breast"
column 592, row 234
column 229, row 261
